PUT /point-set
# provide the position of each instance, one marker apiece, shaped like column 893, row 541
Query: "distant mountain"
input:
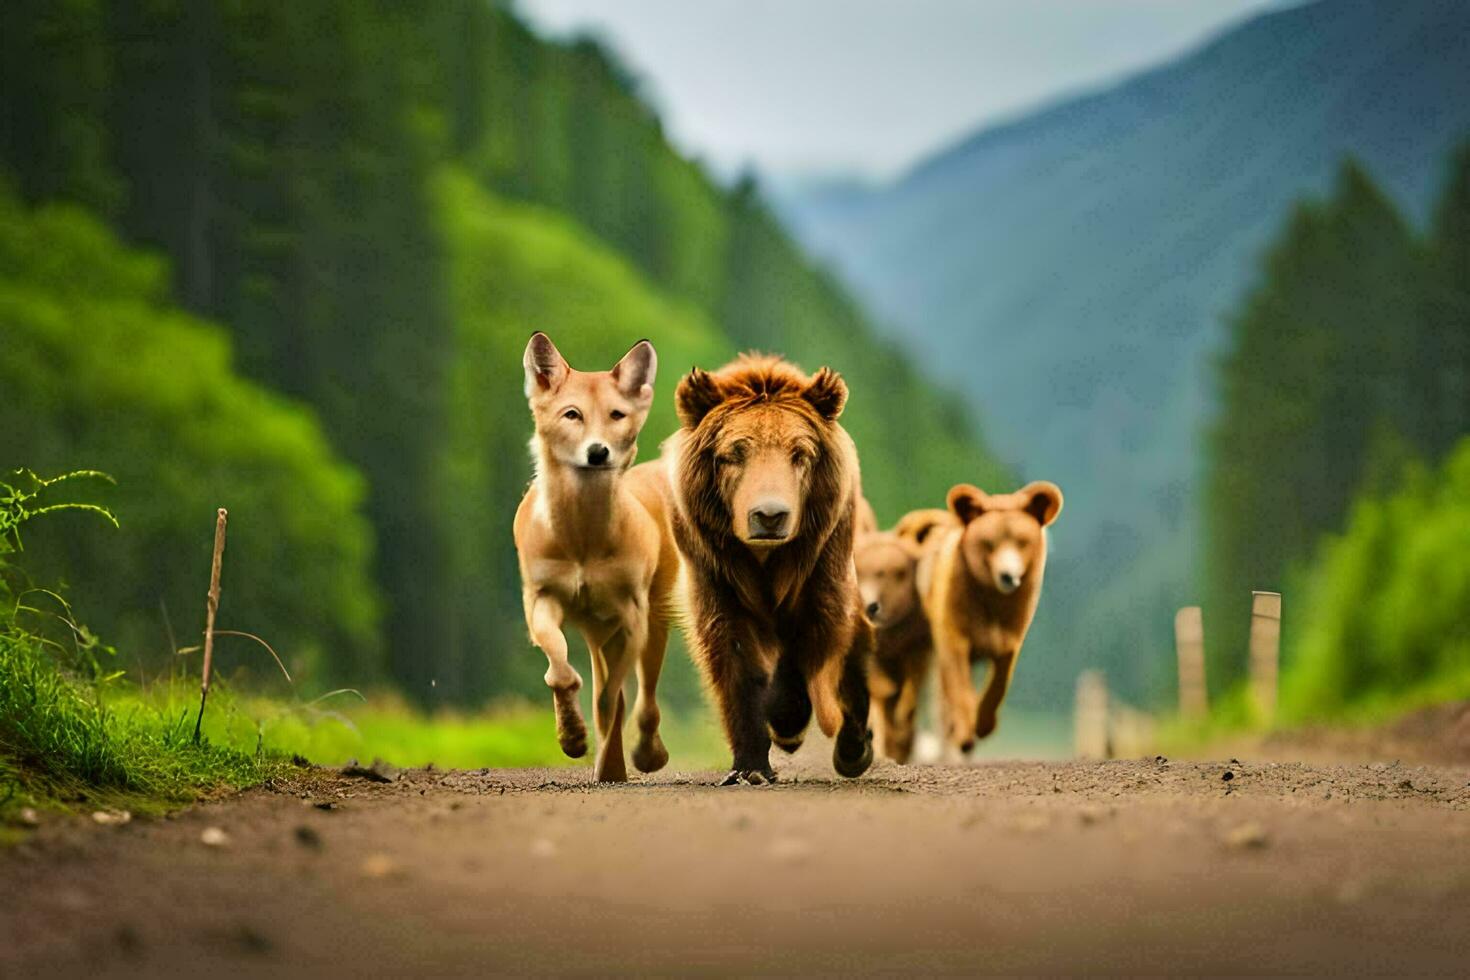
column 1070, row 272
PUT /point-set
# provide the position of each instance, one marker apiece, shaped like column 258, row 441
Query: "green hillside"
column 98, row 367
column 378, row 203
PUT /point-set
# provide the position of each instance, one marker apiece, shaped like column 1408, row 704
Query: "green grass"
column 333, row 731
column 68, row 743
column 63, row 745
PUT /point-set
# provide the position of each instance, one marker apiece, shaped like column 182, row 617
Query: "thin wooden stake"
column 1189, row 644
column 1090, row 718
column 210, row 610
column 1265, row 651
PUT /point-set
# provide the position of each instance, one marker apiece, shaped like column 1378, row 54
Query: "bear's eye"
column 616, row 415
column 571, row 414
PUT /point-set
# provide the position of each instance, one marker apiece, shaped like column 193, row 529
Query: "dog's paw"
column 749, row 777
column 649, row 755
column 571, row 730
column 853, row 753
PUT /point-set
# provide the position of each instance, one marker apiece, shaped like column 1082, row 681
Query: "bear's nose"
column 1009, row 581
column 768, row 521
column 597, row 454
column 873, row 610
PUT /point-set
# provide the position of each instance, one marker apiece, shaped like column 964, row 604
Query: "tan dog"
column 596, row 547
column 980, row 584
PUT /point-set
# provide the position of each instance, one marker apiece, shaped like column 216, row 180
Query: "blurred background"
column 1205, row 265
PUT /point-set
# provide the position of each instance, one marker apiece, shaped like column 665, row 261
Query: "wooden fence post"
column 1189, row 643
column 1265, row 651
column 1090, row 720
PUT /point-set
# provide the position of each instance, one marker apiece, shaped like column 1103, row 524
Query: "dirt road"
column 1119, row 866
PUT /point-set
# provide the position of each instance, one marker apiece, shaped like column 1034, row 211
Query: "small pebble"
column 379, row 866
column 1250, row 836
column 214, row 837
column 308, row 837
column 112, row 817
column 29, row 817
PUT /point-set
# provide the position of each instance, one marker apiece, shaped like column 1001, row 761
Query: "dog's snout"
column 769, row 521
column 873, row 610
column 597, row 454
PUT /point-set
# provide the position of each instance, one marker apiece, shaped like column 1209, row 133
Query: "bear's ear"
column 967, row 502
column 912, row 548
column 698, row 393
column 827, row 393
column 1043, row 501
column 545, row 368
column 634, row 373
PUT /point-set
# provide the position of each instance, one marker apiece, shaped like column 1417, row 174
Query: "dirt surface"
column 1124, row 866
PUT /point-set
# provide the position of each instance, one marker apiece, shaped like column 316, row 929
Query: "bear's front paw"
column 749, row 777
column 853, row 752
column 985, row 724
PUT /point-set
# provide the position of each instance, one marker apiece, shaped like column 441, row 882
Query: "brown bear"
column 980, row 584
column 887, row 568
column 765, row 485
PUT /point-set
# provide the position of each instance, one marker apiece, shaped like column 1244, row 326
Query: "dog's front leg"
column 611, row 657
column 545, row 616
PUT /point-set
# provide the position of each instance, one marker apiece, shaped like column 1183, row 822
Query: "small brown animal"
column 765, row 483
column 981, row 584
column 919, row 525
column 887, row 571
column 596, row 547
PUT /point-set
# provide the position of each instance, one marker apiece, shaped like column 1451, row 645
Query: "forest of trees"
column 367, row 208
column 1347, row 374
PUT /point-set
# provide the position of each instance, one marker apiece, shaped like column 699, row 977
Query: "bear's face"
column 1003, row 541
column 885, row 570
column 759, row 448
column 763, row 460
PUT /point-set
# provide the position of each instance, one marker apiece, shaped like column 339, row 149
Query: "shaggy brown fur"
column 887, row 567
column 980, row 585
column 765, row 485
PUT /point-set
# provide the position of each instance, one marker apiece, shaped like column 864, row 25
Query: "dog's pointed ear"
column 545, row 368
column 698, row 393
column 634, row 373
column 967, row 502
column 827, row 393
column 1043, row 501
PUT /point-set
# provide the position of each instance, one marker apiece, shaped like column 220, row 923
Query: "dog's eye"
column 572, row 414
column 616, row 415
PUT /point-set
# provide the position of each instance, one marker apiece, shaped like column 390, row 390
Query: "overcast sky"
column 867, row 87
